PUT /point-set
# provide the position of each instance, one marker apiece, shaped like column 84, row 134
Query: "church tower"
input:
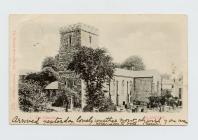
column 71, row 38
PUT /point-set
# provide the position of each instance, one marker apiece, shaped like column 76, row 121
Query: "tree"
column 56, row 60
column 46, row 76
column 95, row 67
column 31, row 98
column 50, row 62
column 133, row 63
column 117, row 65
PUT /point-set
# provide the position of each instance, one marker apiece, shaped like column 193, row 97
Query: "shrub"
column 30, row 96
column 58, row 102
column 106, row 106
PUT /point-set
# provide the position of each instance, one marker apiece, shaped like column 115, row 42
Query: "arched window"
column 122, row 83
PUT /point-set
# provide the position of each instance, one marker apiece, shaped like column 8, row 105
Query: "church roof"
column 130, row 73
column 53, row 85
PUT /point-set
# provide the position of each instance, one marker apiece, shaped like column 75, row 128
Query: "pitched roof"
column 53, row 85
column 130, row 73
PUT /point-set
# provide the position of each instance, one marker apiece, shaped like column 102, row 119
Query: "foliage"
column 46, row 76
column 154, row 101
column 31, row 87
column 64, row 97
column 30, row 96
column 133, row 63
column 50, row 62
column 56, row 60
column 166, row 93
column 62, row 100
column 117, row 65
column 95, row 67
column 75, row 94
column 165, row 99
column 107, row 106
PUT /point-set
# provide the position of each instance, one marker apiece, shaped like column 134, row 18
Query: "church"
column 126, row 85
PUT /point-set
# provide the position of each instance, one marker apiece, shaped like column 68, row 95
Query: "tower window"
column 90, row 39
column 70, row 40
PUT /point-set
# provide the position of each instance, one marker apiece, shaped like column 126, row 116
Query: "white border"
column 99, row 6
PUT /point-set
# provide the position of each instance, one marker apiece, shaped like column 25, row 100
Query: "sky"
column 159, row 39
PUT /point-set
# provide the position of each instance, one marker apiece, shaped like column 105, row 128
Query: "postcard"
column 98, row 69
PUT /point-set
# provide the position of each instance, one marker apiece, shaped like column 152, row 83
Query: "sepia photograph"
column 98, row 69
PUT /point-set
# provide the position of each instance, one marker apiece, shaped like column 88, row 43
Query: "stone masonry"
column 71, row 38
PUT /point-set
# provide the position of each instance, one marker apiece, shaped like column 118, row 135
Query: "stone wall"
column 123, row 90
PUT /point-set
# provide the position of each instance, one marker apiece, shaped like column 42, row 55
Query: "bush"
column 106, row 106
column 62, row 100
column 155, row 101
column 58, row 102
column 88, row 108
column 30, row 96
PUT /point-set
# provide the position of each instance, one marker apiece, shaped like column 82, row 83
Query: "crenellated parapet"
column 79, row 26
